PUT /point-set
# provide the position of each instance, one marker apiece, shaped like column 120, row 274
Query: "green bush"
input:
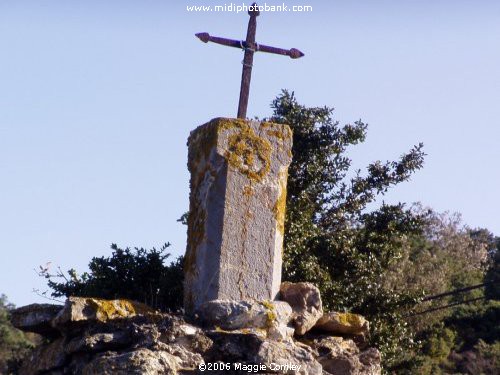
column 331, row 239
column 138, row 274
column 14, row 344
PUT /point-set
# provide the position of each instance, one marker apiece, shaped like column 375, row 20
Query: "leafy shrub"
column 137, row 274
column 14, row 344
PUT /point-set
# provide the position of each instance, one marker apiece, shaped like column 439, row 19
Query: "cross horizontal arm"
column 294, row 53
column 206, row 37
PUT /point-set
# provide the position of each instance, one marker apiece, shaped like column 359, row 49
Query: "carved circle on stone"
column 249, row 154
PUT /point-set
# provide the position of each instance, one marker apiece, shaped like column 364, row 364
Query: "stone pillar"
column 237, row 210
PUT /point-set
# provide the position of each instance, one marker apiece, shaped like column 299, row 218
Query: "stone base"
column 119, row 337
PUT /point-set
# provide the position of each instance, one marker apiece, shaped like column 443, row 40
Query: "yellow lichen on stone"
column 111, row 309
column 280, row 205
column 270, row 313
column 281, row 132
column 353, row 320
column 245, row 148
column 247, row 191
column 267, row 304
column 249, row 154
column 115, row 309
column 229, row 123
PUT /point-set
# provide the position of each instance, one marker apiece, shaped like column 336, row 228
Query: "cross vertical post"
column 246, row 74
column 250, row 47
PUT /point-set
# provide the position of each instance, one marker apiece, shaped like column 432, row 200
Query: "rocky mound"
column 94, row 336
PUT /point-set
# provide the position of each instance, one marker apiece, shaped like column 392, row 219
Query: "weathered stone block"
column 343, row 324
column 305, row 300
column 86, row 310
column 237, row 210
column 229, row 314
column 36, row 318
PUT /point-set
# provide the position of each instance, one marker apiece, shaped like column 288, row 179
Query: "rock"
column 176, row 331
column 305, row 300
column 233, row 346
column 343, row 324
column 109, row 337
column 343, row 357
column 141, row 362
column 280, row 332
column 252, row 350
column 98, row 342
column 231, row 315
column 93, row 310
column 268, row 319
column 287, row 358
column 185, row 359
column 45, row 358
column 371, row 358
column 36, row 318
column 173, row 327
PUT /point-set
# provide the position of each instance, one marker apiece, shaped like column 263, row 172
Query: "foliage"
column 379, row 262
column 330, row 238
column 137, row 274
column 444, row 256
column 14, row 344
column 448, row 256
column 466, row 342
column 492, row 278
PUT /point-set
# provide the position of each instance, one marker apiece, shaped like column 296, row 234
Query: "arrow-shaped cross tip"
column 204, row 37
column 295, row 53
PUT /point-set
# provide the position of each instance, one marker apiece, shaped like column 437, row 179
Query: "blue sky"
column 97, row 99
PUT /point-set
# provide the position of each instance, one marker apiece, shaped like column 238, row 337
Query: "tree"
column 14, row 344
column 330, row 237
column 493, row 274
column 445, row 256
column 441, row 260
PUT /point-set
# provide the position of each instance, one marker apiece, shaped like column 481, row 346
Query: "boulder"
column 233, row 346
column 98, row 342
column 342, row 357
column 305, row 300
column 232, row 315
column 254, row 350
column 262, row 318
column 122, row 337
column 141, row 362
column 185, row 359
column 96, row 310
column 287, row 358
column 343, row 324
column 45, row 358
column 36, row 318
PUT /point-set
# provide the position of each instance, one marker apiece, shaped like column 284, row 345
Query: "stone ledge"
column 36, row 318
column 109, row 337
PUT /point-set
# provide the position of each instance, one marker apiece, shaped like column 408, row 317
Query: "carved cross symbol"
column 250, row 47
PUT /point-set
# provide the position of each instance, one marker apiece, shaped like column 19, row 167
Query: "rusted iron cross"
column 250, row 47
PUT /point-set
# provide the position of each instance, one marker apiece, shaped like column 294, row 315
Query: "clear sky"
column 97, row 99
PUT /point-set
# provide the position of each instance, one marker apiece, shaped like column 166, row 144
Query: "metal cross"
column 250, row 47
